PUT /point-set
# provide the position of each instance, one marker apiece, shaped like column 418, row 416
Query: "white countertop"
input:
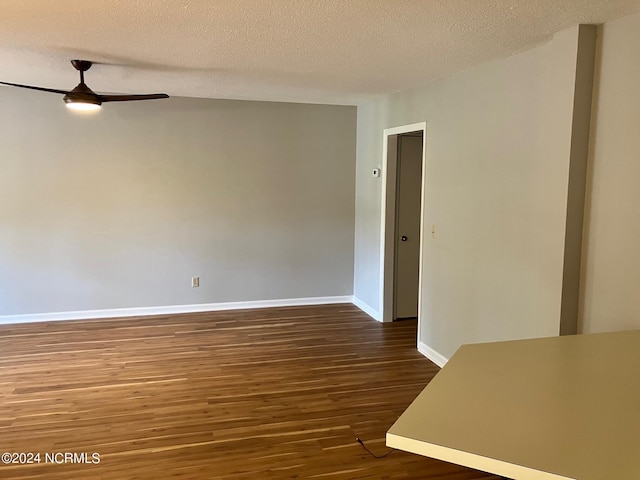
column 553, row 408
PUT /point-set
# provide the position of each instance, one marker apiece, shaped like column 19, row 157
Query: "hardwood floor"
column 255, row 394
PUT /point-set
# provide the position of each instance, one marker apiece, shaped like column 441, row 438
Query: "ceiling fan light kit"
column 78, row 99
column 82, row 98
column 82, row 106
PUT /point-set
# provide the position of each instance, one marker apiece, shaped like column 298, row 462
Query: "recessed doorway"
column 402, row 229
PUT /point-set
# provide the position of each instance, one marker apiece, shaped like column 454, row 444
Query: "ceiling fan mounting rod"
column 82, row 66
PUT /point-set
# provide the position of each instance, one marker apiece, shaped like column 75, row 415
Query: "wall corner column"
column 576, row 188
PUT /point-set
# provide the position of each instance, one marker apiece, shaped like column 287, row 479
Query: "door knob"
column 403, row 238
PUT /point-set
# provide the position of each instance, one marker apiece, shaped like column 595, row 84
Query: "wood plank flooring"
column 256, row 394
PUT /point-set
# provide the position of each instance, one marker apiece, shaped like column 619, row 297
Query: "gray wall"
column 498, row 155
column 120, row 209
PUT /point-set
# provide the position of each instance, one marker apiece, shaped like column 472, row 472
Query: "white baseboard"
column 366, row 308
column 432, row 355
column 167, row 310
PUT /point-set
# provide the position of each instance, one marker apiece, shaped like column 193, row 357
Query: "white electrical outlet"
column 195, row 281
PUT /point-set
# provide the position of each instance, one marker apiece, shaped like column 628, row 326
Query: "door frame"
column 387, row 221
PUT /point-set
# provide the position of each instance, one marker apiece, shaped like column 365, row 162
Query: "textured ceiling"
column 318, row 51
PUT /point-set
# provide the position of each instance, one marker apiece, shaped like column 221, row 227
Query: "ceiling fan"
column 82, row 97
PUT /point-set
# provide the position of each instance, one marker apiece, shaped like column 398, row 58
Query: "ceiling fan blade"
column 42, row 89
column 129, row 98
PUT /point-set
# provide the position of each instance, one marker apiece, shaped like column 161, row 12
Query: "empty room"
column 328, row 240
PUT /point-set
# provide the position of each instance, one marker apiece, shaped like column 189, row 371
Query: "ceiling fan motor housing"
column 82, row 94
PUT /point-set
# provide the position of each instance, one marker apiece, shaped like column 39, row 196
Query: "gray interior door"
column 407, row 241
